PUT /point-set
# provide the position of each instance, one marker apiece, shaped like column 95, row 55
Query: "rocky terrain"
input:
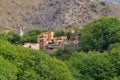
column 52, row 14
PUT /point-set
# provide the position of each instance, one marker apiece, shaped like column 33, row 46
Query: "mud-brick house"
column 48, row 42
column 32, row 46
column 44, row 38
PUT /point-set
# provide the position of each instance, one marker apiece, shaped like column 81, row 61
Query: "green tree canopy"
column 114, row 53
column 100, row 33
column 8, row 71
column 31, row 36
column 59, row 32
column 95, row 65
column 32, row 64
column 91, row 66
column 13, row 37
column 3, row 35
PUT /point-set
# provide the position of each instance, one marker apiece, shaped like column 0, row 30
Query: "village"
column 50, row 43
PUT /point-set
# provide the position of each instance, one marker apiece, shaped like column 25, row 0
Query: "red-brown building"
column 48, row 42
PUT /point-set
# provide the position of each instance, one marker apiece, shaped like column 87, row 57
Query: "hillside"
column 98, row 57
column 52, row 14
column 24, row 64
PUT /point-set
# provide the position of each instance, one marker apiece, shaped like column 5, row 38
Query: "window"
column 29, row 46
column 41, row 36
column 59, row 42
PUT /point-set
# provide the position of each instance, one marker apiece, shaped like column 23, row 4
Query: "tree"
column 63, row 54
column 3, row 35
column 8, row 71
column 116, row 78
column 68, row 34
column 99, row 34
column 32, row 64
column 114, row 53
column 13, row 37
column 59, row 32
column 91, row 66
column 31, row 36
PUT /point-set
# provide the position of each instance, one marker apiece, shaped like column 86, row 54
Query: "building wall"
column 48, row 42
column 32, row 46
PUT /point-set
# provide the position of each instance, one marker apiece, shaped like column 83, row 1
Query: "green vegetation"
column 99, row 34
column 97, row 59
column 12, row 37
column 26, row 64
column 62, row 54
column 59, row 32
column 101, row 57
column 31, row 36
column 7, row 70
column 95, row 65
column 3, row 35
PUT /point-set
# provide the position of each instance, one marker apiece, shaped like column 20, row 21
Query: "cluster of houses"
column 48, row 42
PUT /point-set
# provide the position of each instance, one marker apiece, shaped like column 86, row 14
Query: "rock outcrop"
column 52, row 14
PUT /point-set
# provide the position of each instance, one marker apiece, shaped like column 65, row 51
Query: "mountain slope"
column 52, row 14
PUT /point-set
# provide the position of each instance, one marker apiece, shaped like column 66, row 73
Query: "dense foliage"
column 59, row 32
column 15, row 38
column 99, row 34
column 31, row 36
column 95, row 65
column 62, row 54
column 26, row 64
column 12, row 37
column 7, row 70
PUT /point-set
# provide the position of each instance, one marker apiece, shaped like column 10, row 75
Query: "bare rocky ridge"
column 52, row 14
